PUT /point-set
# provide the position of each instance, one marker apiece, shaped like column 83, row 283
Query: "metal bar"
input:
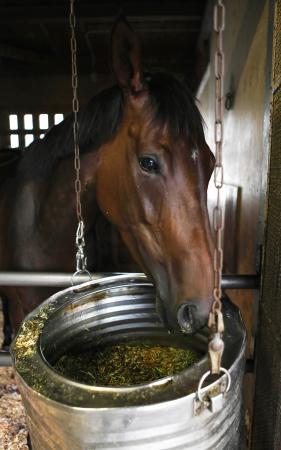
column 43, row 279
column 64, row 279
column 5, row 358
column 239, row 281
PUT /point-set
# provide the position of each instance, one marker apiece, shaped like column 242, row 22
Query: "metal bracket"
column 214, row 398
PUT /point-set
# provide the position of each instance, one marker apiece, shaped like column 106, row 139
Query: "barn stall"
column 178, row 37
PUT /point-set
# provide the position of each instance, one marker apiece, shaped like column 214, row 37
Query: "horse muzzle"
column 189, row 318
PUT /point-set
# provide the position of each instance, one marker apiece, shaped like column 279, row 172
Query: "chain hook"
column 216, row 344
column 81, row 259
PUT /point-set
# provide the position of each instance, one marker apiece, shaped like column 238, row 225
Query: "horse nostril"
column 185, row 316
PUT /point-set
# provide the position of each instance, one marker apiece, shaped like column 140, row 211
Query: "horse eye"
column 149, row 164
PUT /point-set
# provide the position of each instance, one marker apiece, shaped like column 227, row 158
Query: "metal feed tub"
column 66, row 415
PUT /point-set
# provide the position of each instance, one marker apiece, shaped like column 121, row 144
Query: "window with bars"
column 24, row 128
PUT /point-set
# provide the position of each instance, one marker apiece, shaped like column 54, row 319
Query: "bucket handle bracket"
column 213, row 398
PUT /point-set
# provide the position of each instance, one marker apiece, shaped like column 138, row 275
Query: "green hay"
column 125, row 364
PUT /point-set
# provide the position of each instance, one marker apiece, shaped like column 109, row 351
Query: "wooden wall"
column 267, row 417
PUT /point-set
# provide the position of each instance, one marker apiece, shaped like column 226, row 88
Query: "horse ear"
column 126, row 56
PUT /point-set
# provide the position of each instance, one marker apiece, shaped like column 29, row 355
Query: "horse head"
column 151, row 182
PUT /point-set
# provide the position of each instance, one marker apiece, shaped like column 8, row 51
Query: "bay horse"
column 145, row 167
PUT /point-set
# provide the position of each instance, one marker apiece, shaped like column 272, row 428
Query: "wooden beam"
column 144, row 25
column 20, row 54
column 87, row 10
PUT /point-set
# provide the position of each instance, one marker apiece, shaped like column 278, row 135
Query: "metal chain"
column 219, row 22
column 81, row 260
column 216, row 325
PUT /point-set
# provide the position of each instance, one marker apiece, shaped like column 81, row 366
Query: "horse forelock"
column 172, row 107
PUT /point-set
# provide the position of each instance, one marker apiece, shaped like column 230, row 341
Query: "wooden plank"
column 31, row 12
column 20, row 54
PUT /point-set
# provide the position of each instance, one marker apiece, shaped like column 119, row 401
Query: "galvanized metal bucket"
column 161, row 415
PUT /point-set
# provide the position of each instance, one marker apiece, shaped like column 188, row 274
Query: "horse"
column 145, row 168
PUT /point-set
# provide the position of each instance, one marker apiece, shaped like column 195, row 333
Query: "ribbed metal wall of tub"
column 114, row 317
column 163, row 426
column 156, row 416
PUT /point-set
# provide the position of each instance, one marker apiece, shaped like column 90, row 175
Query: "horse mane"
column 172, row 105
column 98, row 122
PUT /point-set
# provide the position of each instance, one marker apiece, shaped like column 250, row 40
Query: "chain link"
column 219, row 23
column 81, row 260
column 216, row 323
column 75, row 109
